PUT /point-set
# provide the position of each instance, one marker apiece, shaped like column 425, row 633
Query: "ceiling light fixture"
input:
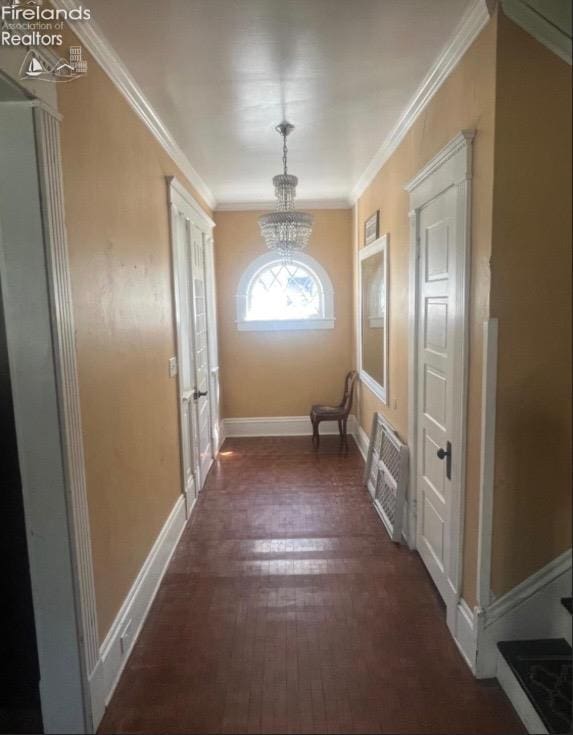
column 285, row 229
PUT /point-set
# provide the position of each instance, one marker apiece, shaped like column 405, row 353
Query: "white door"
column 436, row 443
column 189, row 263
column 201, row 403
column 182, row 240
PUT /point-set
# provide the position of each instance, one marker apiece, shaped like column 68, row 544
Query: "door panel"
column 435, row 380
column 201, row 339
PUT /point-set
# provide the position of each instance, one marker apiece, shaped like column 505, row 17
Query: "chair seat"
column 332, row 412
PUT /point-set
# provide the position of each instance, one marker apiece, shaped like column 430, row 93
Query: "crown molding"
column 270, row 204
column 471, row 24
column 537, row 25
column 95, row 42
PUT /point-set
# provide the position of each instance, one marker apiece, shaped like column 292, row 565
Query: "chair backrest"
column 349, row 382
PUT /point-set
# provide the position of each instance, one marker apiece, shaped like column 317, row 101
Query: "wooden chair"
column 338, row 413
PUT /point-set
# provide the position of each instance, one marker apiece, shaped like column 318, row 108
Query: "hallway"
column 287, row 609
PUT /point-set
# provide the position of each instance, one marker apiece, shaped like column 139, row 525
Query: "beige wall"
column 531, row 296
column 282, row 373
column 118, row 228
column 465, row 100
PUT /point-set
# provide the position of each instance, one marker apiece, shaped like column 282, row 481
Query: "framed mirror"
column 373, row 316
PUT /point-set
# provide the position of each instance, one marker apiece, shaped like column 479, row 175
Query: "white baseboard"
column 362, row 439
column 531, row 610
column 114, row 651
column 465, row 633
column 280, row 426
column 221, row 436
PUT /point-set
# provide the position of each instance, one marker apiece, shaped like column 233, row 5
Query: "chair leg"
column 344, row 434
column 340, row 429
column 315, row 434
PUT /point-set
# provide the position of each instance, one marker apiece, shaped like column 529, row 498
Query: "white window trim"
column 271, row 325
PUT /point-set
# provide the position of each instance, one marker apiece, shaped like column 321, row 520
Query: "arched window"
column 274, row 294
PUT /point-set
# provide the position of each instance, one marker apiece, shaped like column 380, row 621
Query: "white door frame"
column 43, row 369
column 180, row 200
column 451, row 167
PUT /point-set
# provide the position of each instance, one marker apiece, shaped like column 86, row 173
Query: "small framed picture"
column 372, row 228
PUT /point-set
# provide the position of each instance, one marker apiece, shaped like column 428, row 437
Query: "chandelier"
column 285, row 229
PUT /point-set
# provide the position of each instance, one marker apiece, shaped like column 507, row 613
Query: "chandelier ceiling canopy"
column 286, row 229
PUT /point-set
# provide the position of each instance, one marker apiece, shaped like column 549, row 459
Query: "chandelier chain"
column 285, row 151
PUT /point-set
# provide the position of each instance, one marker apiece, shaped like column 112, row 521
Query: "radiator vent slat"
column 386, row 474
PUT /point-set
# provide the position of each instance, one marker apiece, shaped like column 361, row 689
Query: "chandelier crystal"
column 286, row 229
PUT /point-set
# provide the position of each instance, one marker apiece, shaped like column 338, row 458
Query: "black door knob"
column 446, row 454
column 198, row 393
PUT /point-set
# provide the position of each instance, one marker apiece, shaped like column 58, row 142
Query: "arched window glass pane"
column 284, row 291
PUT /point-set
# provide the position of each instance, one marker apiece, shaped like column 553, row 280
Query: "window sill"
column 283, row 325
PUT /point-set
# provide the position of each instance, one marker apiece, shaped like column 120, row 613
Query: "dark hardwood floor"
column 287, row 609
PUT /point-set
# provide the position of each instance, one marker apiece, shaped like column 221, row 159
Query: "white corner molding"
column 326, row 320
column 49, row 161
column 487, row 460
column 63, row 332
column 530, row 610
column 222, row 434
column 465, row 633
column 95, row 42
column 469, row 27
column 534, row 22
column 361, row 438
column 127, row 625
column 280, row 426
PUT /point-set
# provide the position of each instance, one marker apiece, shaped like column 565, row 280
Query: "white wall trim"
column 421, row 188
column 270, row 204
column 52, row 193
column 532, row 609
column 413, row 275
column 114, row 652
column 529, row 587
column 469, row 27
column 537, row 25
column 179, row 196
column 280, row 426
column 487, row 461
column 37, row 294
column 95, row 42
column 284, row 325
column 222, row 434
column 381, row 245
column 465, row 633
column 362, row 439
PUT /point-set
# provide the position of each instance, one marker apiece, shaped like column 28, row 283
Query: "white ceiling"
column 222, row 73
